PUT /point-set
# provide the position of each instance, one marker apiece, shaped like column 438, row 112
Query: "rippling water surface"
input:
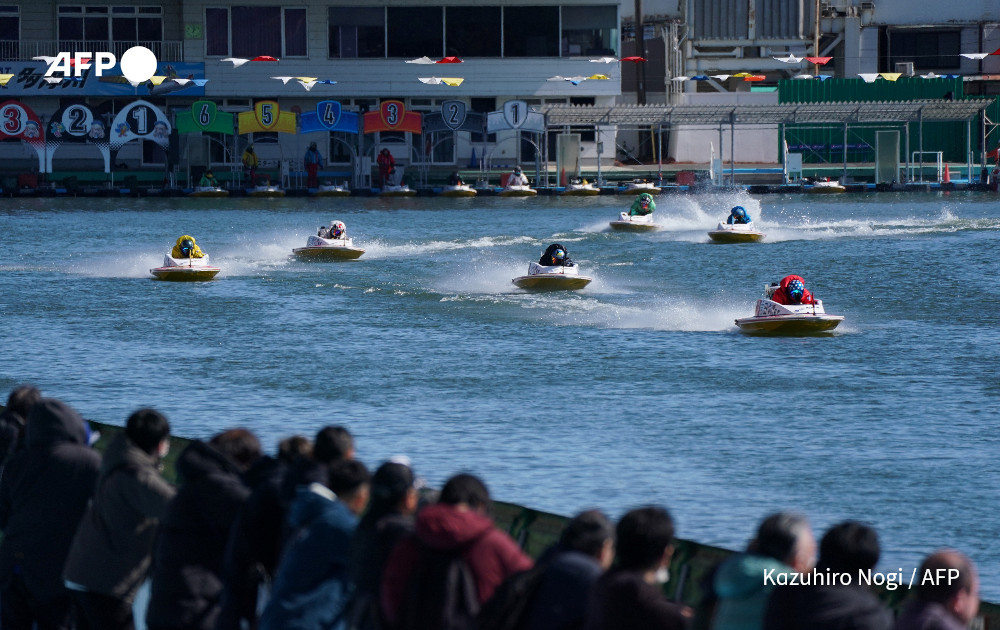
column 638, row 389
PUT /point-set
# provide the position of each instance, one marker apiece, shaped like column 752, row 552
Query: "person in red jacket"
column 458, row 525
column 386, row 165
column 792, row 290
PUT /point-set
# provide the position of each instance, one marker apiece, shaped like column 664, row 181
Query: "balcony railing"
column 25, row 50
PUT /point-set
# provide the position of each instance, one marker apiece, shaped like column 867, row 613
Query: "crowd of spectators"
column 309, row 539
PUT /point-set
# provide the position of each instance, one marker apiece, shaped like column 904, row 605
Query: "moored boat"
column 518, row 190
column 460, row 190
column 580, row 189
column 826, row 187
column 397, row 191
column 266, row 191
column 208, row 191
column 331, row 190
column 639, row 186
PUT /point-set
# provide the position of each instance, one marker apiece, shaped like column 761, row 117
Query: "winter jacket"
column 187, row 557
column 781, row 294
column 113, row 547
column 43, row 495
column 11, row 434
column 491, row 555
column 313, row 157
column 560, row 603
column 637, row 207
column 741, row 591
column 547, row 259
column 826, row 608
column 312, row 589
column 918, row 615
column 622, row 600
column 177, row 252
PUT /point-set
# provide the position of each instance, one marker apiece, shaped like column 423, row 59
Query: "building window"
column 415, row 31
column 357, row 32
column 10, row 32
column 483, row 106
column 589, row 31
column 253, row 31
column 531, row 32
column 927, row 50
column 472, row 31
column 113, row 28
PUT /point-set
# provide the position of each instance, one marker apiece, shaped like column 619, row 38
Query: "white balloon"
column 138, row 64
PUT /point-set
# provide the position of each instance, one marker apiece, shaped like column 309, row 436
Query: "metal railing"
column 25, row 50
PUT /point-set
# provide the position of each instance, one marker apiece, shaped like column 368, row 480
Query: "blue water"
column 638, row 389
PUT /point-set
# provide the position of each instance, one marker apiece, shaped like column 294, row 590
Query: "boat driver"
column 186, row 247
column 555, row 256
column 517, row 178
column 336, row 230
column 739, row 215
column 792, row 290
column 642, row 205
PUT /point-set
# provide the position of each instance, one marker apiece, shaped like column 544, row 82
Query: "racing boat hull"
column 636, row 187
column 736, row 233
column 185, row 270
column 266, row 191
column 397, row 191
column 518, row 191
column 458, row 191
column 332, row 191
column 208, row 191
column 552, row 282
column 580, row 190
column 637, row 223
column 328, row 253
column 789, row 324
column 825, row 188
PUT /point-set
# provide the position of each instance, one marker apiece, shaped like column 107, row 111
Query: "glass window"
column 928, row 50
column 256, row 31
column 589, row 31
column 483, row 106
column 357, row 32
column 531, row 31
column 10, row 27
column 124, row 26
column 295, row 32
column 472, row 31
column 341, row 144
column 415, row 31
column 217, row 32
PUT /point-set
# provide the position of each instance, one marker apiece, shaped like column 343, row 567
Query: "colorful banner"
column 392, row 116
column 77, row 124
column 174, row 78
column 140, row 120
column 329, row 116
column 205, row 116
column 19, row 121
column 266, row 116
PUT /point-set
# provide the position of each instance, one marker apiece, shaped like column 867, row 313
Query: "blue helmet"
column 739, row 211
column 559, row 254
column 796, row 289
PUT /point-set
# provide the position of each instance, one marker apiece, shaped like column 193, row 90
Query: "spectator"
column 12, row 420
column 784, row 544
column 846, row 548
column 256, row 538
column 43, row 495
column 111, row 553
column 944, row 602
column 313, row 161
column 187, row 559
column 630, row 595
column 454, row 532
column 388, row 520
column 313, row 586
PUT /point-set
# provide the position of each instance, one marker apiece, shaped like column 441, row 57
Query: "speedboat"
column 634, row 223
column 638, row 186
column 552, row 278
column 319, row 248
column 331, row 190
column 826, row 186
column 581, row 190
column 461, row 190
column 208, row 191
column 189, row 269
column 397, row 191
column 736, row 233
column 518, row 190
column 266, row 191
column 771, row 318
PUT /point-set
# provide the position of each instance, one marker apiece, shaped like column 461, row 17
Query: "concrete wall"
column 755, row 144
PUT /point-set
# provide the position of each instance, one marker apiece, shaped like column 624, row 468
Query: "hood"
column 788, row 280
column 445, row 527
column 200, row 460
column 51, row 421
column 743, row 575
column 121, row 451
column 310, row 503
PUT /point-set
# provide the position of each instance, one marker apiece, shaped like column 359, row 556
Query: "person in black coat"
column 187, row 559
column 12, row 419
column 555, row 255
column 43, row 496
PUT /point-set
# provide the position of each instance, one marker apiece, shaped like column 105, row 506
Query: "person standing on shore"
column 313, row 160
column 250, row 163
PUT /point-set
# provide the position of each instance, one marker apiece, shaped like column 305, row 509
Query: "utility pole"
column 815, row 39
column 641, row 51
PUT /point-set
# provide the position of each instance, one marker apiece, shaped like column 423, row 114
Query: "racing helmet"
column 186, row 246
column 337, row 228
column 739, row 211
column 559, row 254
column 796, row 290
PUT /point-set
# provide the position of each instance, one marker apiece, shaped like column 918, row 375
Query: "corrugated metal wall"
column 780, row 19
column 824, row 143
column 721, row 19
column 774, row 19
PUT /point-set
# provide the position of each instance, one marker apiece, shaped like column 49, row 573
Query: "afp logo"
column 138, row 63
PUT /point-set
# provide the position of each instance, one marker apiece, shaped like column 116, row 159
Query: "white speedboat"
column 208, row 191
column 642, row 187
column 462, row 190
column 771, row 318
column 397, row 191
column 331, row 190
column 580, row 189
column 634, row 223
column 319, row 248
column 736, row 233
column 185, row 269
column 518, row 190
column 266, row 191
column 552, row 278
column 826, row 186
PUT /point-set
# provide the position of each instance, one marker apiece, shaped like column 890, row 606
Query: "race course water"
column 638, row 389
